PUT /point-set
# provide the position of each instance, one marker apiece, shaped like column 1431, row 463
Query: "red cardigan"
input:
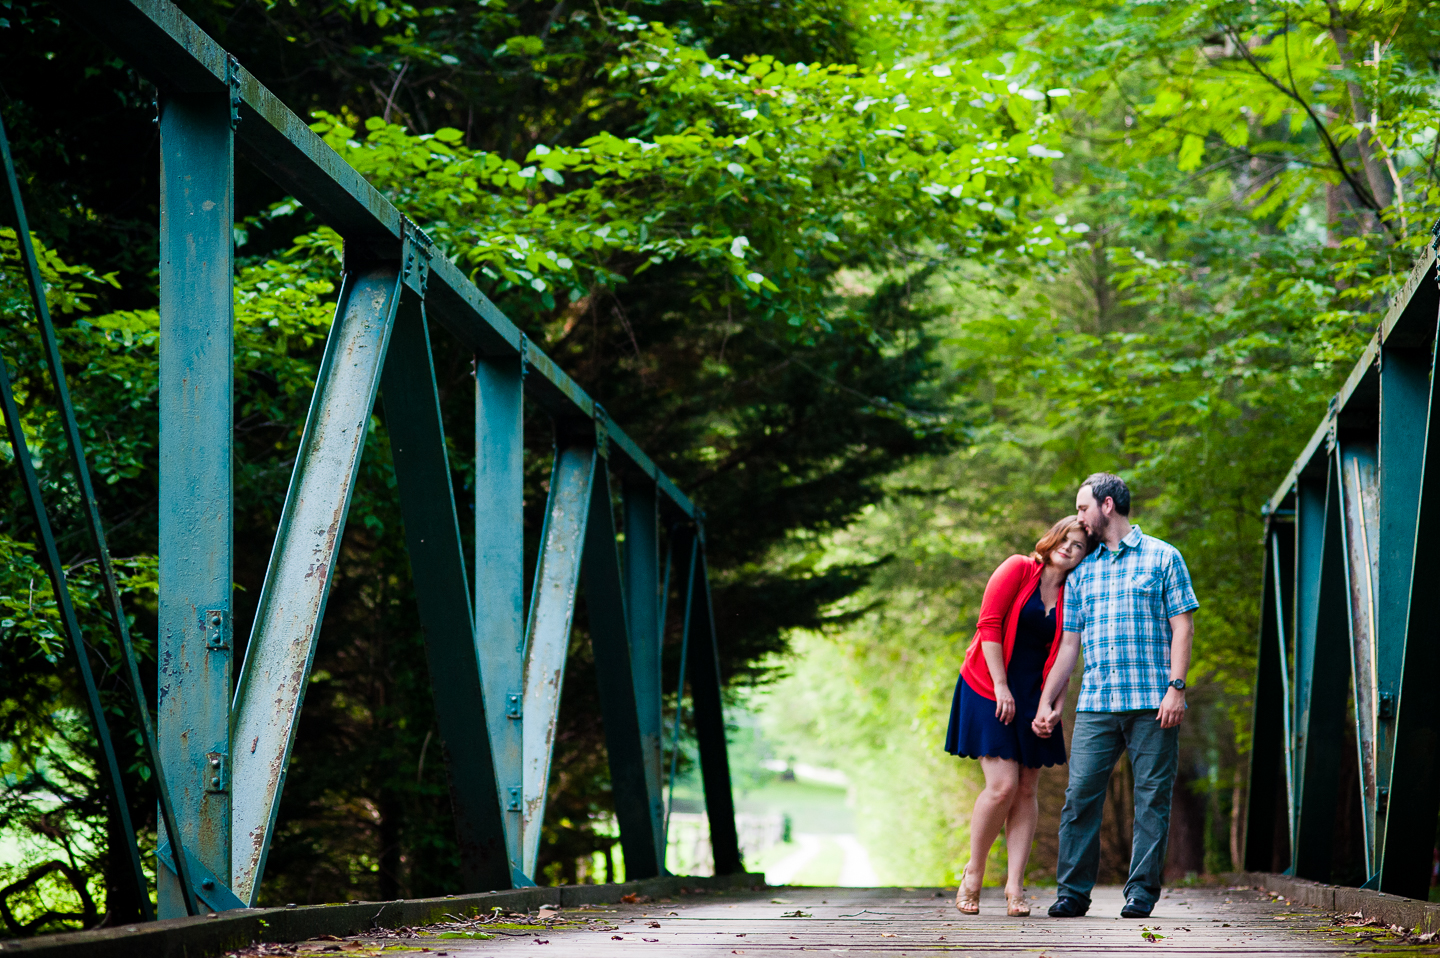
column 1006, row 593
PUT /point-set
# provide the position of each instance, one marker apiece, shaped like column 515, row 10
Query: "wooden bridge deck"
column 881, row 921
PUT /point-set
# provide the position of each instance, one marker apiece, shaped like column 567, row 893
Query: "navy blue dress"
column 975, row 731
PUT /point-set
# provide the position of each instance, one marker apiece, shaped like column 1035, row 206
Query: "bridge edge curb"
column 1410, row 913
column 242, row 927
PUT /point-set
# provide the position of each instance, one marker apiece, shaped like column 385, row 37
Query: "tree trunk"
column 1376, row 175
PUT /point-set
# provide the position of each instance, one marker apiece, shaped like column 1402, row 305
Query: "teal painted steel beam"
column 1269, row 725
column 636, row 809
column 552, row 613
column 1414, row 800
column 302, row 563
column 642, row 603
column 687, row 546
column 705, row 685
column 500, row 579
column 196, row 648
column 442, row 593
column 1309, row 540
column 1404, row 396
column 1282, row 579
column 1358, row 475
column 1322, row 673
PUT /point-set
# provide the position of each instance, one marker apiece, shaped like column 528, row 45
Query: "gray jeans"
column 1095, row 746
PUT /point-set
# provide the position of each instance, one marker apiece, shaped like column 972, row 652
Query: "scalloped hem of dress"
column 1008, row 758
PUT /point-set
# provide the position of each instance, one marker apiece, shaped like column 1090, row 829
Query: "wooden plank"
column 900, row 921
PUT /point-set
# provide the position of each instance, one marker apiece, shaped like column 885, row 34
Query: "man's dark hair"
column 1107, row 485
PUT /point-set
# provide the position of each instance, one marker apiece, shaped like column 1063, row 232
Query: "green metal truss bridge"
column 1350, row 560
column 496, row 667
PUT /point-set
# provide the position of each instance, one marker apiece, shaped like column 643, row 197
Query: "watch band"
column 1177, row 684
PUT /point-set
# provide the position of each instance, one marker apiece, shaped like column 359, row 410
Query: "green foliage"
column 774, row 173
column 1254, row 178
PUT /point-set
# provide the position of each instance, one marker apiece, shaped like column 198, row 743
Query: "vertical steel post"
column 1268, row 725
column 552, row 613
column 678, row 545
column 1404, row 397
column 302, row 563
column 1309, row 542
column 1282, row 573
column 642, row 602
column 500, row 579
column 705, row 697
column 635, row 807
column 197, row 189
column 442, row 593
column 1408, row 842
column 1358, row 477
column 1322, row 674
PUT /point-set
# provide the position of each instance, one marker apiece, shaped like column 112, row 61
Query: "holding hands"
column 1046, row 721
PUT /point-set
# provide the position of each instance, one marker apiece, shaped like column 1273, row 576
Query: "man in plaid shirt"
column 1131, row 608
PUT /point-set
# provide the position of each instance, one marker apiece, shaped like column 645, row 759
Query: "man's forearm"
column 1182, row 639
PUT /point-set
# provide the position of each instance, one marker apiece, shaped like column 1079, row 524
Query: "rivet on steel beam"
column 416, row 247
column 216, row 637
column 216, row 777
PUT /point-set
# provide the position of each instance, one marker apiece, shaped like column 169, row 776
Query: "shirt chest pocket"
column 1146, row 586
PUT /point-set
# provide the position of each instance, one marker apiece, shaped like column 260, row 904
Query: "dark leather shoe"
column 1068, row 908
column 1135, row 908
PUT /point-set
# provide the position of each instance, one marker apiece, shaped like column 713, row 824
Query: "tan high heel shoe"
column 1016, row 906
column 966, row 902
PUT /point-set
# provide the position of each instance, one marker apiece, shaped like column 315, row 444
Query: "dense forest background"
column 877, row 282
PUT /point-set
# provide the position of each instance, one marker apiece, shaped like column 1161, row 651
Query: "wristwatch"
column 1177, row 684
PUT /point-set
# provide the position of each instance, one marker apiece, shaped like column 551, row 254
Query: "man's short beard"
column 1102, row 522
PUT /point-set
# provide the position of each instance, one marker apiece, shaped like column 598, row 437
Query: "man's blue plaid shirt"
column 1121, row 602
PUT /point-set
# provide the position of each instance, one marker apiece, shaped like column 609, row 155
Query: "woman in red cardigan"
column 998, row 694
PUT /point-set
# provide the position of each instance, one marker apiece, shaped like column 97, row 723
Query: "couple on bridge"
column 1094, row 581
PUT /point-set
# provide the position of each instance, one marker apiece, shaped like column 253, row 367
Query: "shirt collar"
column 1131, row 541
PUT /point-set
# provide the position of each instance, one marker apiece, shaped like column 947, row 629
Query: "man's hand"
column 1045, row 721
column 1172, row 708
column 1004, row 704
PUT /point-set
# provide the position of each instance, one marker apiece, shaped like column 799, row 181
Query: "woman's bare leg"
column 1020, row 828
column 992, row 807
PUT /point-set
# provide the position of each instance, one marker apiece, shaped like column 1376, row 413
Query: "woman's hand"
column 1045, row 721
column 1004, row 704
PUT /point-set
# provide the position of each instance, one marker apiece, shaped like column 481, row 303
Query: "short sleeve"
column 1179, row 593
column 1074, row 610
